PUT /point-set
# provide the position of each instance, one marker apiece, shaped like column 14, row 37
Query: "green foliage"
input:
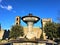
column 16, row 31
column 58, row 28
column 51, row 30
column 0, row 40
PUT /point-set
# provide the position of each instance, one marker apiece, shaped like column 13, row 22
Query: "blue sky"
column 9, row 9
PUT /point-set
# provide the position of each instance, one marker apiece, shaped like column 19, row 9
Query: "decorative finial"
column 30, row 14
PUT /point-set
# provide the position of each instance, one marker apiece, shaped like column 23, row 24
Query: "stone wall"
column 36, row 31
column 29, row 43
column 1, row 34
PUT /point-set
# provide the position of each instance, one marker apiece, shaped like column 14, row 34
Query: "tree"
column 16, row 31
column 51, row 30
column 58, row 30
column 58, row 18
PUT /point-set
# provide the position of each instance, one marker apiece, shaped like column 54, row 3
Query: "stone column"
column 30, row 33
column 30, row 26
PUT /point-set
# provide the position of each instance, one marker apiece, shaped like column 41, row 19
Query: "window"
column 17, row 19
column 16, row 23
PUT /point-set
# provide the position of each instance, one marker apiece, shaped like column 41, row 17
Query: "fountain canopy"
column 30, row 18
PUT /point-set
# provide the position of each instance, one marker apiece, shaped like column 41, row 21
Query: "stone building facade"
column 43, row 22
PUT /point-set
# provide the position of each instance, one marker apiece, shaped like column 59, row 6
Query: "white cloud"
column 1, row 6
column 0, row 1
column 9, row 7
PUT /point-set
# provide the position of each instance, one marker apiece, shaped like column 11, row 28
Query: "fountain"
column 30, row 20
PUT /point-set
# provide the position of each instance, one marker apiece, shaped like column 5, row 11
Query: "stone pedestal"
column 30, row 35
